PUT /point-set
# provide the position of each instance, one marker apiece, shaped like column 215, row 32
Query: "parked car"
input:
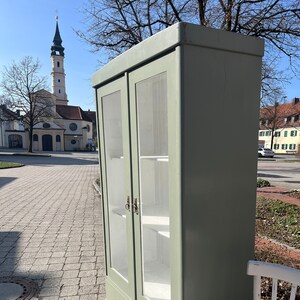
column 90, row 145
column 265, row 152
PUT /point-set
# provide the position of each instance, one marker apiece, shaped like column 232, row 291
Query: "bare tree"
column 25, row 90
column 272, row 116
column 116, row 25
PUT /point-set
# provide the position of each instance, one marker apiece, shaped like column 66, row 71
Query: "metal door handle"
column 135, row 206
column 127, row 205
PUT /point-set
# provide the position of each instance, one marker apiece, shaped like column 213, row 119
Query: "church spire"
column 58, row 72
column 56, row 46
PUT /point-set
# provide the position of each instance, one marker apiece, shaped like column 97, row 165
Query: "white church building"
column 69, row 129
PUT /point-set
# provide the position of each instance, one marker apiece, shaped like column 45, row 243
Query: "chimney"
column 296, row 100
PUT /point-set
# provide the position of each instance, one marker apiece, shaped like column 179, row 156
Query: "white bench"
column 260, row 269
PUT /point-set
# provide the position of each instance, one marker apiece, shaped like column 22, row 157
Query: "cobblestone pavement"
column 51, row 225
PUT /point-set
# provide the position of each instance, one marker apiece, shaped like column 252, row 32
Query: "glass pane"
column 113, row 142
column 154, row 198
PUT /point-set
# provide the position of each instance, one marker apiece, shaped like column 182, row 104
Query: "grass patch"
column 6, row 165
column 278, row 220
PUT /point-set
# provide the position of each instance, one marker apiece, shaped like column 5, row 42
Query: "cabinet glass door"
column 153, row 160
column 115, row 163
column 114, row 158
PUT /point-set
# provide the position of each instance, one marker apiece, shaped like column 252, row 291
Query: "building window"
column 285, row 133
column 73, row 142
column 58, row 80
column 88, row 128
column 262, row 133
column 58, row 138
column 46, row 125
column 284, row 146
column 59, row 91
column 296, row 118
column 277, row 133
column 276, row 146
column 294, row 133
column 58, row 64
column 268, row 133
column 15, row 141
column 292, row 146
column 35, row 138
column 73, row 126
column 288, row 119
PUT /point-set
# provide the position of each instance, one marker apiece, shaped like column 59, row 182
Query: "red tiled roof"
column 72, row 113
column 279, row 113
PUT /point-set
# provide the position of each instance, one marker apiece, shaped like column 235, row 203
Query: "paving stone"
column 90, row 297
column 72, row 253
column 87, row 266
column 71, row 274
column 88, row 289
column 52, row 282
column 41, row 261
column 69, row 290
column 58, row 254
column 69, row 281
column 88, row 280
column 57, row 260
column 49, row 291
column 55, row 267
column 88, row 273
column 88, row 253
column 41, row 254
column 101, row 280
column 72, row 260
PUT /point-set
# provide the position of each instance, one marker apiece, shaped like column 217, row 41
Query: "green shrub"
column 262, row 182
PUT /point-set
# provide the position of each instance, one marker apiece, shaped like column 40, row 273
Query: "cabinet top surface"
column 175, row 36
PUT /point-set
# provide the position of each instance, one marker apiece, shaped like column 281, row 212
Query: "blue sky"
column 27, row 28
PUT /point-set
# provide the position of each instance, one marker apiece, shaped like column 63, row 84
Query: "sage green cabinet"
column 178, row 120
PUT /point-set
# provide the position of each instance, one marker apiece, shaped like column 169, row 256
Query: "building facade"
column 68, row 129
column 12, row 131
column 279, row 127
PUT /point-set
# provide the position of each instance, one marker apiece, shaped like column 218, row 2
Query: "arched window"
column 35, row 138
column 58, row 138
column 59, row 91
column 15, row 141
column 58, row 64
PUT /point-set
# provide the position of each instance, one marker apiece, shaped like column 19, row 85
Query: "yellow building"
column 279, row 127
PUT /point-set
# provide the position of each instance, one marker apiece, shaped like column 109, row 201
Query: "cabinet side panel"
column 219, row 163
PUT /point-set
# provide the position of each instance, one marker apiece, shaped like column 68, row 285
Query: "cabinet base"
column 113, row 292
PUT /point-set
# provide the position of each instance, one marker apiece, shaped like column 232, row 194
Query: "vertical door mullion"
column 128, row 164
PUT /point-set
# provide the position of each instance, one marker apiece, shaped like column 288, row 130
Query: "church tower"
column 58, row 72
